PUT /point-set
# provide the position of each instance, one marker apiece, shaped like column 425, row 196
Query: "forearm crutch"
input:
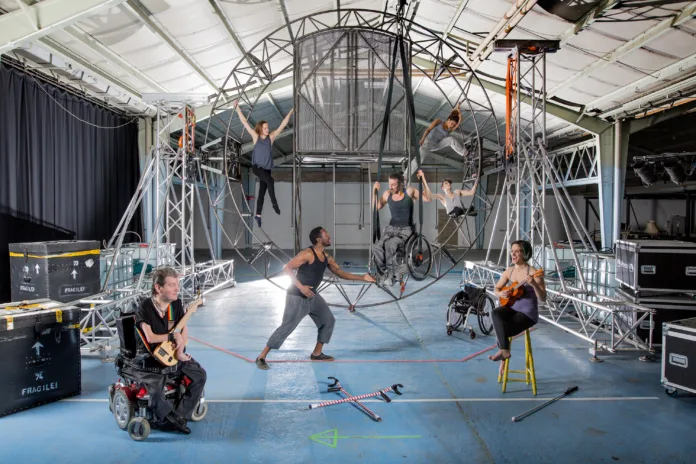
column 336, row 386
column 532, row 411
column 382, row 393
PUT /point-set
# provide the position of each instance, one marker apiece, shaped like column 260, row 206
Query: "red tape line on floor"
column 359, row 361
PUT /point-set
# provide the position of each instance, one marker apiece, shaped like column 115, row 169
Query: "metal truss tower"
column 582, row 303
column 168, row 197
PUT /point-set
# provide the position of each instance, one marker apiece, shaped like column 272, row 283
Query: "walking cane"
column 532, row 411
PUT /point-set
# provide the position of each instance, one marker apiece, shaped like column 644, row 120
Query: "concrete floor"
column 452, row 410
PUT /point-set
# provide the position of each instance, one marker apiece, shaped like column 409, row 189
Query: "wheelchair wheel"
column 419, row 256
column 484, row 312
column 200, row 412
column 122, row 409
column 139, row 428
column 454, row 318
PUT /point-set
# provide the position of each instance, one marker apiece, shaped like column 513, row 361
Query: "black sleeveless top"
column 401, row 211
column 310, row 274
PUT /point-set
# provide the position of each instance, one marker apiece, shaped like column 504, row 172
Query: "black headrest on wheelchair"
column 126, row 334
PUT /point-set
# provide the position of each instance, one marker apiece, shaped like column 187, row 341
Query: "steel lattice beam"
column 43, row 18
column 655, row 31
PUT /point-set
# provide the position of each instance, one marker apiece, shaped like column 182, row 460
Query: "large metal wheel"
column 272, row 61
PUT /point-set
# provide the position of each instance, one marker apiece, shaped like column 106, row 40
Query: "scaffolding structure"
column 576, row 303
column 168, row 197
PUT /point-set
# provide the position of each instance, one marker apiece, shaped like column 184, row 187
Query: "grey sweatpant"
column 296, row 308
column 385, row 249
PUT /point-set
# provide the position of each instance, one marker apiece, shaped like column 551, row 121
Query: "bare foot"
column 500, row 356
column 501, row 369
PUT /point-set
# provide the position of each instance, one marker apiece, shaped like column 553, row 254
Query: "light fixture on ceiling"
column 675, row 170
column 646, row 172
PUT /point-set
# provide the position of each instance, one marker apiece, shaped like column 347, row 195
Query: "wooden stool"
column 529, row 375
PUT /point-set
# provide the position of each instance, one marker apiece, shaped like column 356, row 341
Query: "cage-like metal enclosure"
column 341, row 85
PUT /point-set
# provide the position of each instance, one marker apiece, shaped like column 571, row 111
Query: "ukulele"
column 516, row 290
column 165, row 353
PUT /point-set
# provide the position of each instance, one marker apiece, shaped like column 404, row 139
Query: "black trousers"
column 508, row 323
column 266, row 182
column 161, row 407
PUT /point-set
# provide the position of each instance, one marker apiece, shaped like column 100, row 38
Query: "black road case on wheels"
column 61, row 271
column 39, row 354
column 679, row 355
column 656, row 265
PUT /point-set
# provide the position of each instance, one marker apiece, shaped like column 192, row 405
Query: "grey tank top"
column 438, row 133
column 401, row 211
column 451, row 203
column 262, row 156
column 528, row 304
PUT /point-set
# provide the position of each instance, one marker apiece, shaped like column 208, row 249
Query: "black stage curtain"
column 58, row 170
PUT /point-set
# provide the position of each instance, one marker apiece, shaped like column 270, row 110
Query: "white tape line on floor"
column 424, row 400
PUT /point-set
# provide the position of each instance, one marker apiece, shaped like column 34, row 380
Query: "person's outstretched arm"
column 459, row 113
column 280, row 128
column 427, row 131
column 336, row 269
column 427, row 195
column 469, row 192
column 245, row 123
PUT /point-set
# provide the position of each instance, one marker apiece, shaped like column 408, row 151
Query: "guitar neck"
column 182, row 323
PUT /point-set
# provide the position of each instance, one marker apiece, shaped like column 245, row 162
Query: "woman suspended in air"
column 262, row 159
column 438, row 134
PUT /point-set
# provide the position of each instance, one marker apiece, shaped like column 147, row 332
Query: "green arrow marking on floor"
column 330, row 437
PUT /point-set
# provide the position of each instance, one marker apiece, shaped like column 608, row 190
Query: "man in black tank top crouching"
column 301, row 300
column 400, row 227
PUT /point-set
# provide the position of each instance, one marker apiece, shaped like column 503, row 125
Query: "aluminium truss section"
column 604, row 322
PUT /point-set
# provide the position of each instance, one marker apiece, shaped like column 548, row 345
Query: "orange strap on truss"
column 510, row 100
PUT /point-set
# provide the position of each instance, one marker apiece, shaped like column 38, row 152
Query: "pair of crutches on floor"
column 337, row 387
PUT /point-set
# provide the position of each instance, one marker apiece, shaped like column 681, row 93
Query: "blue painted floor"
column 451, row 410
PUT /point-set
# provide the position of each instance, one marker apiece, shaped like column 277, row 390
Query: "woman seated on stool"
column 524, row 312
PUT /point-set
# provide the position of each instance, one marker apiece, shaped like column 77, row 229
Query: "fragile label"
column 691, row 271
column 40, row 388
column 74, row 290
column 27, row 288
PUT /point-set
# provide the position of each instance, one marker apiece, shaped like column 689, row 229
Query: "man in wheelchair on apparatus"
column 400, row 227
column 154, row 320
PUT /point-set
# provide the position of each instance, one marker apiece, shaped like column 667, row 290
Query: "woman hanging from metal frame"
column 438, row 135
column 262, row 158
column 452, row 199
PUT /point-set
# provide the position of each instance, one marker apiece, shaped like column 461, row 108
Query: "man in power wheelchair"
column 148, row 392
column 389, row 251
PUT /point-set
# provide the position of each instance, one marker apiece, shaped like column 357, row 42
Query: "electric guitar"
column 165, row 353
column 516, row 290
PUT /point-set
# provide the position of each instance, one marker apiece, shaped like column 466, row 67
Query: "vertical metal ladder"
column 364, row 216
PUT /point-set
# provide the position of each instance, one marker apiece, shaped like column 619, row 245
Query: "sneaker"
column 258, row 220
column 276, row 209
column 261, row 364
column 321, row 357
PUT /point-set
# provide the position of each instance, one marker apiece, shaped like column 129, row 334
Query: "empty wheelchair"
column 467, row 302
column 129, row 396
